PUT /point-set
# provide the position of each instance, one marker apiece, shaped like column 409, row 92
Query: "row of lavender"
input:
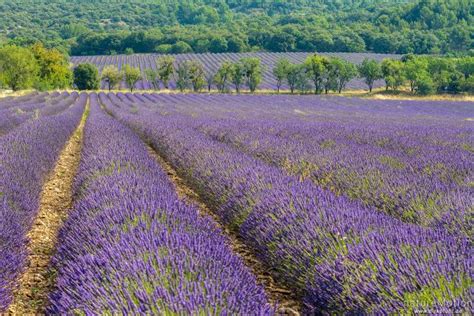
column 15, row 113
column 27, row 155
column 212, row 62
column 420, row 173
column 12, row 101
column 131, row 246
column 414, row 161
column 336, row 254
column 308, row 107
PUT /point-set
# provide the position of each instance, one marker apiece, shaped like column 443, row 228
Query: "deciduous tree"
column 238, row 73
column 252, row 72
column 294, row 75
column 18, row 67
column 280, row 71
column 316, row 69
column 393, row 73
column 165, row 68
column 344, row 70
column 86, row 77
column 370, row 70
column 196, row 75
column 53, row 68
column 112, row 76
column 132, row 76
column 223, row 76
column 182, row 73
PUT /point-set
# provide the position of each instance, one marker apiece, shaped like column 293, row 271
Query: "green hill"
column 176, row 26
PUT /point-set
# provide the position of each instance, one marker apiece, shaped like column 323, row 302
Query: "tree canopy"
column 87, row 27
column 86, row 77
column 18, row 67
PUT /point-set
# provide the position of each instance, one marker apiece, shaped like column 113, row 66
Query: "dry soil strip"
column 287, row 303
column 56, row 200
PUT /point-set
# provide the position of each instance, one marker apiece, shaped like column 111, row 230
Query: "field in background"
column 212, row 63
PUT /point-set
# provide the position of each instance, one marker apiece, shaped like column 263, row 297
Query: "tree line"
column 422, row 75
column 46, row 69
column 174, row 26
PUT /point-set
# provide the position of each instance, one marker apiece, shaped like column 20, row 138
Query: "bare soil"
column 31, row 296
column 283, row 298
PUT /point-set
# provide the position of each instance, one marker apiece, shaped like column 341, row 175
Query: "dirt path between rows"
column 35, row 283
column 287, row 303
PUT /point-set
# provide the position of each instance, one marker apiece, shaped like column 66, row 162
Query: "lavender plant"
column 27, row 155
column 131, row 246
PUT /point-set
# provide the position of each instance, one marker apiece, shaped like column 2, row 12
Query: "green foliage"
column 106, row 27
column 165, row 69
column 428, row 75
column 223, row 76
column 152, row 77
column 370, row 70
column 181, row 47
column 467, row 85
column 252, row 71
column 280, row 71
column 330, row 76
column 182, row 80
column 196, row 75
column 302, row 80
column 296, row 76
column 18, row 67
column 163, row 49
column 45, row 69
column 316, row 68
column 393, row 73
column 53, row 68
column 414, row 68
column 129, row 51
column 86, row 77
column 132, row 75
column 425, row 84
column 112, row 76
column 325, row 73
column 238, row 73
column 466, row 66
column 344, row 71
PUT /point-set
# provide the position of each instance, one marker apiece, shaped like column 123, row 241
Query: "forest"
column 88, row 27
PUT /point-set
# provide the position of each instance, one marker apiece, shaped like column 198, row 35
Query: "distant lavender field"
column 212, row 62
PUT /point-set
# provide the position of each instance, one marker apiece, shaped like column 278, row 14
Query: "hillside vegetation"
column 87, row 27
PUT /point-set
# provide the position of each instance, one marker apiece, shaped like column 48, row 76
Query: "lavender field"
column 212, row 62
column 242, row 204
